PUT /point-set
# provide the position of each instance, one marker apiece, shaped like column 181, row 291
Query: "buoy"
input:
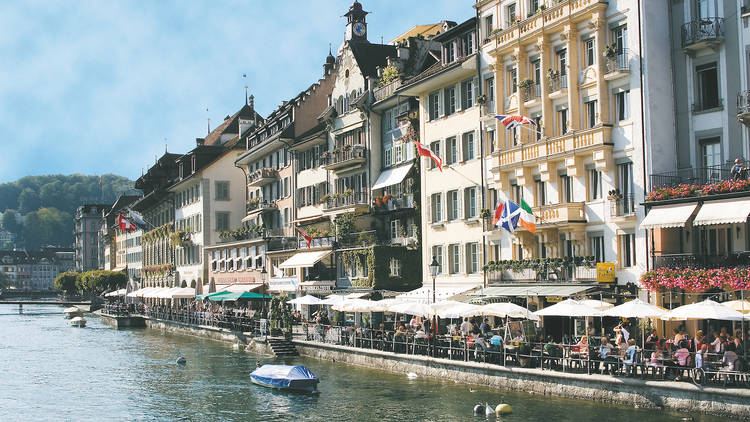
column 236, row 346
column 411, row 375
column 503, row 409
column 181, row 360
column 478, row 409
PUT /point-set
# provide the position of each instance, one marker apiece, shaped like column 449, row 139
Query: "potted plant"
column 481, row 99
column 348, row 192
column 325, row 198
column 610, row 51
column 614, row 195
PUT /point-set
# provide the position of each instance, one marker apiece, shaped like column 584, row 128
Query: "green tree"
column 10, row 221
column 8, row 196
column 32, row 232
column 28, row 201
column 4, row 280
column 67, row 282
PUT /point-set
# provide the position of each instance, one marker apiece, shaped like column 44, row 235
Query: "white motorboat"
column 78, row 321
column 71, row 312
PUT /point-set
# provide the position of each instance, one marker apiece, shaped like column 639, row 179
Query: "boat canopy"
column 281, row 376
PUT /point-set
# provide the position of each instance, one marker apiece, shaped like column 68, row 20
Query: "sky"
column 97, row 87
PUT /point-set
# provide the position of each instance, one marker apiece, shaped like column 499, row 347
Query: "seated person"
column 496, row 340
column 716, row 343
column 656, row 356
column 485, row 327
column 466, row 327
column 630, row 354
column 518, row 338
column 730, row 357
column 605, row 353
column 652, row 340
column 552, row 349
column 682, row 355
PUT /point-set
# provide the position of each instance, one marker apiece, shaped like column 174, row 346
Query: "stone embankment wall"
column 244, row 340
column 677, row 396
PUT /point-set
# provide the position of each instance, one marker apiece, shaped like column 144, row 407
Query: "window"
column 468, row 146
column 707, row 79
column 595, row 184
column 620, row 37
column 437, row 253
column 536, row 71
column 449, row 52
column 489, row 89
column 538, row 128
column 488, row 25
column 515, row 193
column 589, row 52
column 467, row 94
column 706, row 8
column 566, row 189
column 437, row 210
column 622, row 105
column 625, row 174
column 511, row 14
column 513, row 80
column 434, row 104
column 627, row 250
column 395, row 266
column 472, row 253
column 454, row 259
column 540, row 192
column 562, row 117
column 562, row 62
column 590, row 107
column 533, row 6
column 711, row 157
column 222, row 191
column 222, row 221
column 470, row 203
column 469, row 44
column 453, row 205
column 451, row 151
column 450, row 100
column 596, row 245
column 435, row 147
column 395, row 229
column 490, row 134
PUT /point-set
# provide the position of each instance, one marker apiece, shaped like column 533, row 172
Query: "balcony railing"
column 286, row 243
column 620, row 62
column 622, row 207
column 346, row 200
column 567, row 143
column 560, row 213
column 570, row 274
column 261, row 206
column 532, row 92
column 737, row 259
column 344, row 157
column 702, row 31
column 386, row 91
column 262, row 176
column 691, row 176
column 558, row 84
column 395, row 203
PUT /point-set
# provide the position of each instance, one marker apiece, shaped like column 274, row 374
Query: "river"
column 51, row 371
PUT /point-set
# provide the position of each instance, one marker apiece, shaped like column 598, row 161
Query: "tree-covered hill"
column 48, row 204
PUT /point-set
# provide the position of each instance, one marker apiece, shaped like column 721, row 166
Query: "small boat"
column 78, row 321
column 285, row 377
column 71, row 312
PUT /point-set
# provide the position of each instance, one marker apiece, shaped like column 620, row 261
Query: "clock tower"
column 356, row 24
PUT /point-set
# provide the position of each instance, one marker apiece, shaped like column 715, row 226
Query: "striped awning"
column 728, row 211
column 668, row 216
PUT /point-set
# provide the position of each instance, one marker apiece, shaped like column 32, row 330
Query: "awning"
column 392, row 176
column 285, row 284
column 239, row 288
column 728, row 211
column 668, row 216
column 234, row 296
column 531, row 291
column 424, row 294
column 304, row 259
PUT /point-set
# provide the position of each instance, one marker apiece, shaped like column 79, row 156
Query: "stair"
column 282, row 347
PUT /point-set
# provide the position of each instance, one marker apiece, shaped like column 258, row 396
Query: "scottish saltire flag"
column 138, row 219
column 512, row 121
column 510, row 215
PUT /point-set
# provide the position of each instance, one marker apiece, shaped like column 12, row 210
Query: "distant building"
column 36, row 270
column 7, row 239
column 87, row 223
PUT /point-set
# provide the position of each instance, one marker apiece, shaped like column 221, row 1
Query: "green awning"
column 232, row 296
column 210, row 295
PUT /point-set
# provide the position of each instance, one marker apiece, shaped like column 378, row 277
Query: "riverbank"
column 664, row 395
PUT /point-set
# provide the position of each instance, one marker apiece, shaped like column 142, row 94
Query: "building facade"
column 86, row 235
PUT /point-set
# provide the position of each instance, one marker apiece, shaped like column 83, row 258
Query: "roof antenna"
column 165, row 146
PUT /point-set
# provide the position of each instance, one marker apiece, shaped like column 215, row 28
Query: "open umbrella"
column 635, row 308
column 569, row 308
column 305, row 300
column 707, row 309
column 599, row 305
column 738, row 305
column 460, row 310
column 507, row 309
column 382, row 305
column 332, row 300
column 411, row 308
column 354, row 305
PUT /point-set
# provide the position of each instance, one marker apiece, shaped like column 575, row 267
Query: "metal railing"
column 703, row 29
column 558, row 84
column 689, row 260
column 386, row 91
column 691, row 176
column 343, row 155
column 262, row 173
column 622, row 206
column 364, row 238
column 346, row 200
column 260, row 205
column 396, row 203
column 532, row 92
column 571, row 274
column 620, row 62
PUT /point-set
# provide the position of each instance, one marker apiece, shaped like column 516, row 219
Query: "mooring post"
column 20, row 308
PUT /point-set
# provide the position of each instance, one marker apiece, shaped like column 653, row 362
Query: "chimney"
column 199, row 141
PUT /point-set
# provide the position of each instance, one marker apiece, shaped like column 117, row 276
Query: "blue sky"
column 101, row 86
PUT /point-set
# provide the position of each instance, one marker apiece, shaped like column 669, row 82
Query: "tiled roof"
column 370, row 56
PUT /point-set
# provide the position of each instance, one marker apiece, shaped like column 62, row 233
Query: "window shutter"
column 428, row 210
column 461, row 203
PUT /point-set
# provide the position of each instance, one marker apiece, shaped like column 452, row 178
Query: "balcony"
column 554, row 147
column 622, row 206
column 259, row 206
column 262, row 177
column 558, row 87
column 394, row 203
column 737, row 259
column 532, row 93
column 560, row 214
column 344, row 158
column 290, row 244
column 743, row 107
column 702, row 33
column 344, row 200
column 618, row 65
column 691, row 176
column 564, row 274
column 386, row 91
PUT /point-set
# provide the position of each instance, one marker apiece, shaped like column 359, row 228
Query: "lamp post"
column 434, row 269
column 263, row 278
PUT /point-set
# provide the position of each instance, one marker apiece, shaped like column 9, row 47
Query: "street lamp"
column 434, row 269
column 263, row 278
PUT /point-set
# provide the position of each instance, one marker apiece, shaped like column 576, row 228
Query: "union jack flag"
column 514, row 120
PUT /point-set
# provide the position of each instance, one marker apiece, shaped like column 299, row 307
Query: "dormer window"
column 449, row 52
column 193, row 163
column 469, row 44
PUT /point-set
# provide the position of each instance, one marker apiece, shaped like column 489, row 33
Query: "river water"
column 51, row 371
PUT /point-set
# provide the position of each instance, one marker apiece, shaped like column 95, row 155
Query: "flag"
column 509, row 217
column 527, row 220
column 498, row 213
column 514, row 120
column 426, row 152
column 138, row 219
column 125, row 224
column 307, row 237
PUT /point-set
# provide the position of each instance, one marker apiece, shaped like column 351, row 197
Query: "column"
column 546, row 62
column 500, row 136
column 571, row 35
column 600, row 27
column 522, row 72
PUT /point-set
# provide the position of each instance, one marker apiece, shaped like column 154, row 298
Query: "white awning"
column 728, row 211
column 391, row 176
column 521, row 291
column 304, row 259
column 668, row 216
column 424, row 294
column 238, row 287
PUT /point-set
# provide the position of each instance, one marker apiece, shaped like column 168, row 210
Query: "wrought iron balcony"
column 558, row 84
column 622, row 206
column 254, row 207
column 572, row 274
column 394, row 203
column 262, row 177
column 691, row 176
column 701, row 33
column 343, row 157
column 532, row 92
column 688, row 260
column 344, row 200
column 618, row 65
column 743, row 107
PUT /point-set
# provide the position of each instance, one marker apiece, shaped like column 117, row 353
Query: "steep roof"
column 232, row 125
column 426, row 31
column 370, row 56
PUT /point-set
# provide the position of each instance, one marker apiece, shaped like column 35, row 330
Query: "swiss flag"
column 125, row 224
column 426, row 152
column 307, row 237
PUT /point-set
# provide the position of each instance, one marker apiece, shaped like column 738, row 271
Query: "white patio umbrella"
column 353, row 305
column 569, row 308
column 636, row 308
column 738, row 305
column 411, row 308
column 382, row 305
column 183, row 293
column 707, row 309
column 459, row 311
column 599, row 305
column 305, row 300
column 332, row 300
column 508, row 309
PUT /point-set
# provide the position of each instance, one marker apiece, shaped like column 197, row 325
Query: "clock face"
column 359, row 29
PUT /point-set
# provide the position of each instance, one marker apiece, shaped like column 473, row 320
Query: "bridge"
column 43, row 302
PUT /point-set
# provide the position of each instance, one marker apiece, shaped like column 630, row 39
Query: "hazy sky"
column 96, row 86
